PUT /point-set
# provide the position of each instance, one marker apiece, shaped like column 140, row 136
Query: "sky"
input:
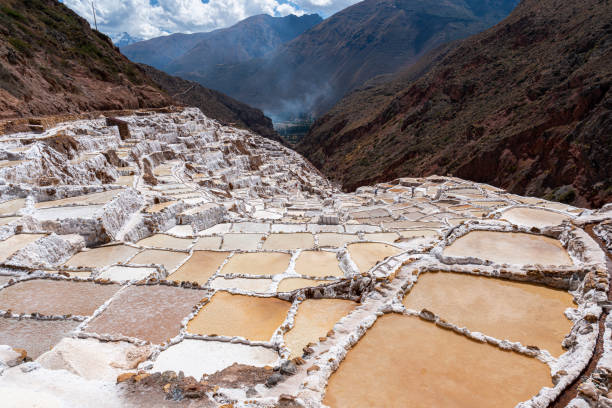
column 145, row 19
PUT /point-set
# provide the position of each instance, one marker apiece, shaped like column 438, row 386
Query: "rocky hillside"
column 201, row 52
column 214, row 104
column 52, row 62
column 373, row 37
column 525, row 105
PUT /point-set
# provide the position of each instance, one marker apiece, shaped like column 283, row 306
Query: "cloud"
column 151, row 18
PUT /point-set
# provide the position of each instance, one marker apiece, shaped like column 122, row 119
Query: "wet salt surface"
column 169, row 259
column 102, row 256
column 534, row 217
column 126, row 273
column 255, row 285
column 207, row 243
column 367, row 255
column 87, row 199
column 253, row 318
column 16, row 242
column 51, row 297
column 403, row 361
column 259, row 263
column 150, row 313
column 510, row 247
column 315, row 318
column 34, row 336
column 212, row 356
column 200, row 267
column 318, row 264
column 12, row 206
column 243, row 242
column 530, row 314
column 331, row 239
column 60, row 213
column 291, row 284
column 165, row 241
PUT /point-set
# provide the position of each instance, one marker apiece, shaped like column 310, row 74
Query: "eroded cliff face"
column 525, row 106
column 168, row 259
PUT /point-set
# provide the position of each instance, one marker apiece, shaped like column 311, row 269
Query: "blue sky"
column 151, row 18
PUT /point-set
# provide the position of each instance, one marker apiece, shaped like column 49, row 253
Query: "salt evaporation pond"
column 366, row 255
column 200, row 267
column 34, row 336
column 257, row 263
column 102, row 256
column 534, row 217
column 318, row 264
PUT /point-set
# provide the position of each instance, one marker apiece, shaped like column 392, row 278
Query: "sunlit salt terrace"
column 208, row 266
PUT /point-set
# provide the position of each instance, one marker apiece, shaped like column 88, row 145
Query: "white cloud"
column 151, row 18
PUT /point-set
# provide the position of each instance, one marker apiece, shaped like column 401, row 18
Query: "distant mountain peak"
column 123, row 39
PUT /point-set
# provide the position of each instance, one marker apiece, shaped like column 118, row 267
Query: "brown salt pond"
column 244, row 242
column 332, row 239
column 87, row 199
column 258, row 263
column 165, row 241
column 318, row 264
column 12, row 206
column 8, row 220
column 200, row 267
column 534, row 217
column 102, row 256
column 367, row 255
column 530, row 314
column 315, row 318
column 253, row 318
column 34, row 336
column 151, row 313
column 300, row 240
column 510, row 247
column 291, row 284
column 55, row 297
column 15, row 243
column 420, row 365
column 169, row 259
column 260, row 285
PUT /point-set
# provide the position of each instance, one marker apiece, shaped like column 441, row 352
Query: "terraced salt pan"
column 207, row 243
column 403, row 361
column 530, row 314
column 253, row 318
column 390, row 237
column 87, row 199
column 212, row 356
column 534, row 217
column 244, row 242
column 367, row 254
column 126, row 273
column 150, row 313
column 315, row 318
column 169, row 259
column 165, row 241
column 15, row 243
column 291, row 284
column 8, row 220
column 61, row 213
column 102, row 256
column 34, row 336
column 332, row 239
column 253, row 285
column 258, row 263
column 200, row 267
column 51, row 297
column 289, row 241
column 318, row 264
column 155, row 208
column 510, row 247
column 12, row 206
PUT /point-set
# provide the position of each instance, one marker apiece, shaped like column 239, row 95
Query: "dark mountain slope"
column 373, row 37
column 51, row 62
column 525, row 105
column 247, row 39
column 214, row 104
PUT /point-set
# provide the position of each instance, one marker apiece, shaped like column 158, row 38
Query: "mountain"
column 125, row 39
column 525, row 105
column 247, row 39
column 214, row 104
column 52, row 62
column 373, row 37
